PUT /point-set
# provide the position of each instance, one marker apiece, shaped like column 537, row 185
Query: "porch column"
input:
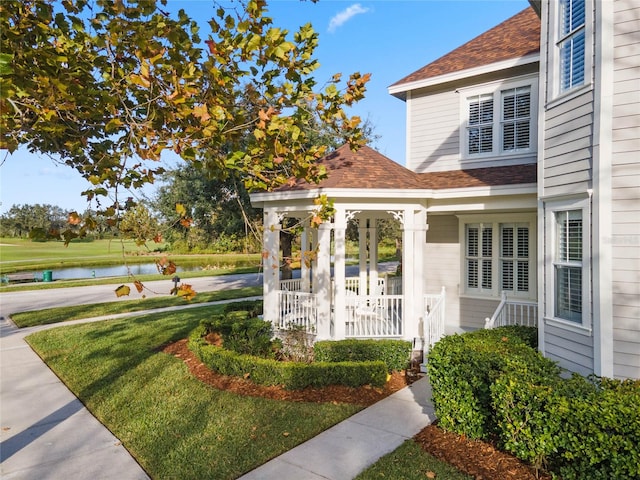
column 363, row 256
column 408, row 276
column 339, row 282
column 271, row 264
column 373, row 257
column 305, row 262
column 420, row 243
column 322, row 281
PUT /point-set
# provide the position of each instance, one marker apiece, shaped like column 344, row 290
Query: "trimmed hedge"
column 291, row 375
column 574, row 427
column 396, row 354
column 252, row 307
column 461, row 369
column 242, row 333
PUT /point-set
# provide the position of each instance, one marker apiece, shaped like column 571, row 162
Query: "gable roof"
column 516, row 37
column 369, row 169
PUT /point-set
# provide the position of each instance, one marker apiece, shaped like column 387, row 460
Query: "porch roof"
column 363, row 169
column 368, row 169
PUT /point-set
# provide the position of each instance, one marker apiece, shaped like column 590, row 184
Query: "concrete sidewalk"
column 46, row 432
column 345, row 450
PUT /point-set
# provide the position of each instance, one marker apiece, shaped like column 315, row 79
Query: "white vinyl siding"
column 625, row 171
column 434, row 129
column 571, row 350
column 568, row 138
column 442, row 261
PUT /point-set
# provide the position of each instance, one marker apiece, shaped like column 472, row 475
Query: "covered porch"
column 333, row 298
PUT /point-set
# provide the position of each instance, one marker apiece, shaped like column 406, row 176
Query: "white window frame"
column 552, row 209
column 557, row 39
column 495, row 90
column 496, row 221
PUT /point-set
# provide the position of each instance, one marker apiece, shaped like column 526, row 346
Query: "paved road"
column 13, row 302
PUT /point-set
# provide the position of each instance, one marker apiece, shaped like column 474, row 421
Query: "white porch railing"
column 352, row 284
column 393, row 286
column 373, row 316
column 513, row 312
column 291, row 285
column 434, row 318
column 297, row 309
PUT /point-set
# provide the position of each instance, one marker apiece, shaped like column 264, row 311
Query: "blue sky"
column 386, row 38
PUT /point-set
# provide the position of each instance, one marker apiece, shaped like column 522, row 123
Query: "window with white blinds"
column 498, row 258
column 516, row 119
column 480, row 125
column 514, row 257
column 500, row 122
column 571, row 43
column 568, row 265
column 479, row 257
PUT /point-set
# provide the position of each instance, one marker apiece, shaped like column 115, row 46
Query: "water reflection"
column 113, row 271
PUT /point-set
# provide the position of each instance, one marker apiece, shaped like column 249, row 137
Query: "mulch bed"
column 479, row 459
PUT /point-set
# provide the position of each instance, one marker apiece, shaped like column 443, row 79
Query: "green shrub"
column 291, row 375
column 253, row 307
column 461, row 370
column 396, row 354
column 600, row 435
column 529, row 404
column 243, row 334
column 489, row 384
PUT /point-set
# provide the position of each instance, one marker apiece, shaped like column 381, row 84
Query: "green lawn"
column 174, row 425
column 19, row 255
column 64, row 314
column 410, row 462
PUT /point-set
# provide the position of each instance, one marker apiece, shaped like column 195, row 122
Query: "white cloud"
column 342, row 17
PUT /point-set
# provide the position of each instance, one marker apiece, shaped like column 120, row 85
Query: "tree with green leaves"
column 107, row 86
column 221, row 212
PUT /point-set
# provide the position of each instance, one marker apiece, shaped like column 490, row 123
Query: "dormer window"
column 499, row 122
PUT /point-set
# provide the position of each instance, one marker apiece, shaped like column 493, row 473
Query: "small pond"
column 112, row 271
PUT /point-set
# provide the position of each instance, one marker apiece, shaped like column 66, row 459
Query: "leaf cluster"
column 108, row 86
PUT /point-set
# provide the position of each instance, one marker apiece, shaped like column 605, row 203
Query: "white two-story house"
column 520, row 200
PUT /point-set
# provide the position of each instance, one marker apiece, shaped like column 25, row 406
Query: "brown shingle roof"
column 479, row 177
column 365, row 168
column 368, row 169
column 514, row 38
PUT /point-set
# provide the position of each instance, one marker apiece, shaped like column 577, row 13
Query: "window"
column 571, row 43
column 514, row 257
column 481, row 124
column 568, row 266
column 479, row 257
column 499, row 122
column 516, row 119
column 498, row 257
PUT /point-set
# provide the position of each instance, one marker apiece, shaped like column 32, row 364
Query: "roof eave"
column 402, row 194
column 400, row 90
